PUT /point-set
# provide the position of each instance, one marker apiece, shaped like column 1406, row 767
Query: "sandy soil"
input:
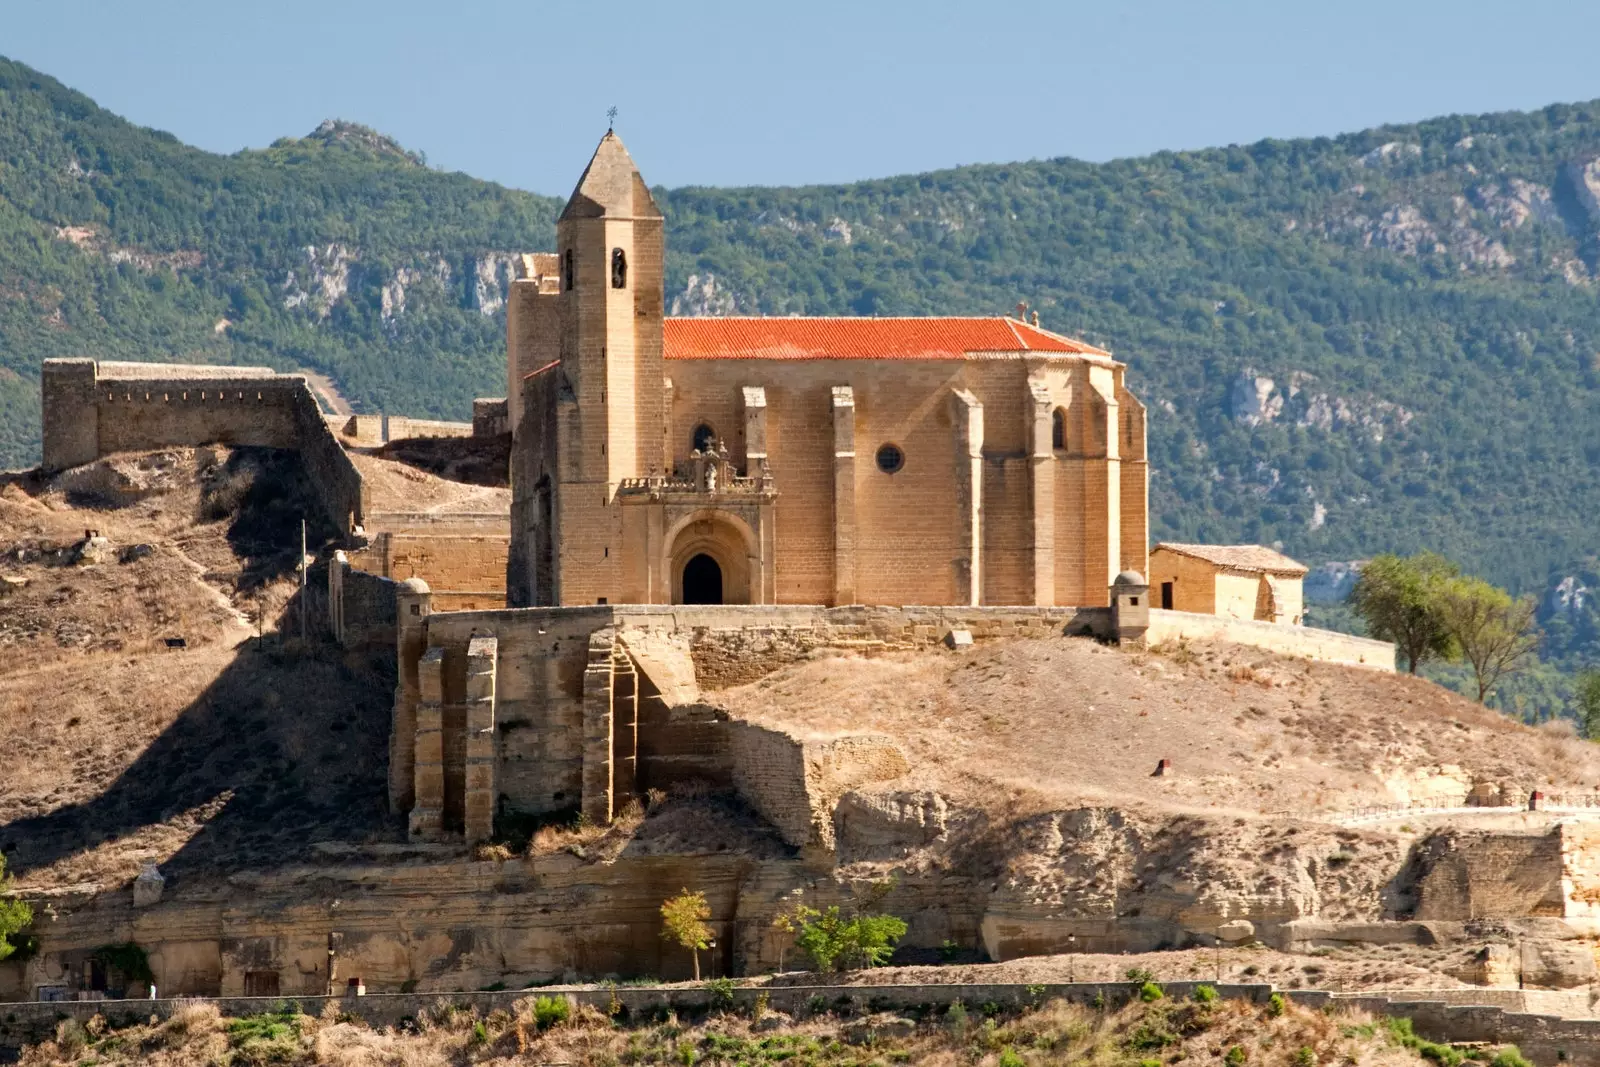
column 1247, row 732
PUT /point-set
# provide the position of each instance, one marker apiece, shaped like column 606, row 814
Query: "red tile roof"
column 849, row 338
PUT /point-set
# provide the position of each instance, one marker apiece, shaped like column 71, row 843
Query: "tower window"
column 890, row 458
column 619, row 269
column 566, row 270
column 1058, row 429
column 704, row 437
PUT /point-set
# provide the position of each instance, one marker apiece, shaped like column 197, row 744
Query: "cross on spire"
column 611, row 119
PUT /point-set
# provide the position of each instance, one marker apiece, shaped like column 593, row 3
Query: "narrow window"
column 619, row 269
column 890, row 459
column 566, row 270
column 1058, row 430
column 704, row 438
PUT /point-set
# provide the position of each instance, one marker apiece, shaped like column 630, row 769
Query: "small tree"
column 1495, row 633
column 1586, row 687
column 834, row 942
column 15, row 914
column 1398, row 598
column 787, row 923
column 684, row 918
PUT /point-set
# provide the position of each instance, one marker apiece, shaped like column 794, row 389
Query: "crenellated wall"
column 93, row 409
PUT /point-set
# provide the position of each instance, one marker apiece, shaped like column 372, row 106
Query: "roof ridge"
column 1012, row 324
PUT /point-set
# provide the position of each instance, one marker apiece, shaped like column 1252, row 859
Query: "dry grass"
column 121, row 751
column 1054, row 1032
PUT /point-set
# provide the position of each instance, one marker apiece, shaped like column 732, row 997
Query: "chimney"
column 1022, row 311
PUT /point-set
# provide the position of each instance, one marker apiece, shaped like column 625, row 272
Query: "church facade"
column 831, row 461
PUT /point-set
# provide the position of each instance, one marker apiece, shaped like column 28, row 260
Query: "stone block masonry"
column 93, row 409
column 1325, row 645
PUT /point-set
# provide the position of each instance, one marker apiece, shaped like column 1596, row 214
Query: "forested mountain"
column 1386, row 340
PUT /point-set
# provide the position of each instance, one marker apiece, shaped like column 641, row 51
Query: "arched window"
column 704, row 437
column 1058, row 430
column 566, row 270
column 619, row 269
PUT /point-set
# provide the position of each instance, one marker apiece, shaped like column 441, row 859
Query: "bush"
column 1276, row 1005
column 834, row 942
column 1206, row 994
column 1305, row 1057
column 550, row 1011
column 721, row 990
column 1150, row 992
column 1236, row 1056
column 1510, row 1056
column 1139, row 975
column 955, row 1017
column 1009, row 1058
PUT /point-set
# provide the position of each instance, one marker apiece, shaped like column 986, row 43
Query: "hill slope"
column 1383, row 340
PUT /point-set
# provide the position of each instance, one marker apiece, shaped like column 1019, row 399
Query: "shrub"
column 833, row 941
column 1305, row 1057
column 1236, row 1056
column 955, row 1017
column 1139, row 975
column 1206, row 994
column 550, row 1011
column 1276, row 1005
column 1510, row 1056
column 1150, row 992
column 1009, row 1058
column 721, row 990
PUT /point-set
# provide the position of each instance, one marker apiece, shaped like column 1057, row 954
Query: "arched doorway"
column 702, row 580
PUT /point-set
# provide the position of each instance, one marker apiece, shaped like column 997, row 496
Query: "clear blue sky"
column 759, row 92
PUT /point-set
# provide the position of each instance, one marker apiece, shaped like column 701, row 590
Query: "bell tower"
column 609, row 239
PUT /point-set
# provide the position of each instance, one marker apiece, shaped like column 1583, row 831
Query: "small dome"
column 415, row 585
column 1129, row 578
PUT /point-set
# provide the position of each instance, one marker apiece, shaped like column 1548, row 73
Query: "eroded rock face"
column 887, row 824
column 1557, row 964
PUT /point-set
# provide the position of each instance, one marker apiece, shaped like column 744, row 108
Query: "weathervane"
column 611, row 119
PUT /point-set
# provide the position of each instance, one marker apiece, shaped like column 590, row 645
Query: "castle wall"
column 96, row 409
column 1468, row 876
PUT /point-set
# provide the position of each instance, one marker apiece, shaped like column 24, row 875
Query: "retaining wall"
column 1306, row 641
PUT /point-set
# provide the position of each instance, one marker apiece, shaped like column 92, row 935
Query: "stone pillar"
column 427, row 813
column 1042, row 471
column 844, row 495
column 413, row 602
column 598, row 773
column 336, row 568
column 481, row 791
column 969, row 494
column 70, row 396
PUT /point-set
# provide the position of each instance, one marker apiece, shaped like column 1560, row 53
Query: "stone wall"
column 400, row 427
column 491, row 417
column 1305, row 641
column 94, row 409
column 1463, row 875
column 464, row 562
column 361, row 606
column 795, row 784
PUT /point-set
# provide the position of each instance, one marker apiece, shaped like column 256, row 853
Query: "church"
column 821, row 461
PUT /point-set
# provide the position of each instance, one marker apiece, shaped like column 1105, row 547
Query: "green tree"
column 15, row 914
column 1398, row 598
column 684, row 918
column 834, row 941
column 1586, row 690
column 1494, row 631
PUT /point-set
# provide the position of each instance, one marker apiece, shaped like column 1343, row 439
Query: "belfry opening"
column 702, row 580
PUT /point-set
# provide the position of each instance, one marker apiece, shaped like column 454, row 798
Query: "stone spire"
column 611, row 186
